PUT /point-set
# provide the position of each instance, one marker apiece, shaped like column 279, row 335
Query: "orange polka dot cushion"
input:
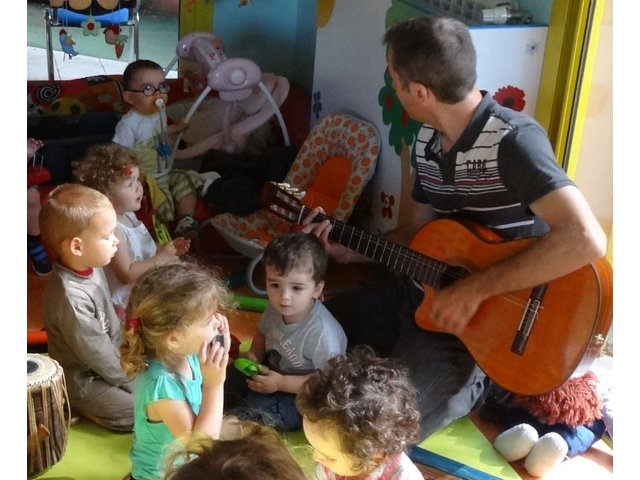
column 338, row 135
column 333, row 166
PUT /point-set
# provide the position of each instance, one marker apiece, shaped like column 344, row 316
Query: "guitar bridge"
column 528, row 320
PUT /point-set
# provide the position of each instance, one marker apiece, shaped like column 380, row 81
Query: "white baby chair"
column 247, row 98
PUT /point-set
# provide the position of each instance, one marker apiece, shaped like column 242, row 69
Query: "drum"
column 48, row 413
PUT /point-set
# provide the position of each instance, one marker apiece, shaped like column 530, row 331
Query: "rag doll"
column 545, row 429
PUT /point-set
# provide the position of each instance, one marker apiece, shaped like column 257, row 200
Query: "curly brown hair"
column 104, row 165
column 368, row 399
column 259, row 454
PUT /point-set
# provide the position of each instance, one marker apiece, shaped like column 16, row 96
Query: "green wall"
column 279, row 35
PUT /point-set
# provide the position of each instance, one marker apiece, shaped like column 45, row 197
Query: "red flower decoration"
column 387, row 203
column 511, row 97
column 128, row 171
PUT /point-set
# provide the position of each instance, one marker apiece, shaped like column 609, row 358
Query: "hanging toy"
column 67, row 43
column 113, row 37
column 90, row 26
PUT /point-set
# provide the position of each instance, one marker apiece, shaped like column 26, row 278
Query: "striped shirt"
column 502, row 162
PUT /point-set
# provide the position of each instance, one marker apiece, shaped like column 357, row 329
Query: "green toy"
column 247, row 367
column 253, row 304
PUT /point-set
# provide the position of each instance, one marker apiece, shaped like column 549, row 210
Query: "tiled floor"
column 158, row 35
column 77, row 67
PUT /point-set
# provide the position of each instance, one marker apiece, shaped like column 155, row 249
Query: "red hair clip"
column 128, row 171
column 133, row 324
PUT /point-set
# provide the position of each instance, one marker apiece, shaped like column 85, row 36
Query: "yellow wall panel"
column 196, row 16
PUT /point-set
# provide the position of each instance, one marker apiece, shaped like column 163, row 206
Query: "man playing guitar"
column 475, row 160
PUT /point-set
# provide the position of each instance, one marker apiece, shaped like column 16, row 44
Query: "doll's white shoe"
column 548, row 452
column 517, row 442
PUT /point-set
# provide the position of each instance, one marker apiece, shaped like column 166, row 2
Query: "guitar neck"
column 398, row 258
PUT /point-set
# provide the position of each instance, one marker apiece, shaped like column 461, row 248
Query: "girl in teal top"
column 170, row 346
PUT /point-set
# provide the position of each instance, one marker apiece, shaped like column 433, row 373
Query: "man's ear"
column 420, row 92
column 75, row 246
column 318, row 290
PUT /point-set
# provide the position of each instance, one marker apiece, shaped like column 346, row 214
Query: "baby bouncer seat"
column 332, row 167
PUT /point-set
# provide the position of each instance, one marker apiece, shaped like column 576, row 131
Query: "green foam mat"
column 465, row 446
column 301, row 450
column 93, row 453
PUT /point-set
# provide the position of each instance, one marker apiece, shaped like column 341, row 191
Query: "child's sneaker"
column 187, row 227
column 209, row 178
column 39, row 260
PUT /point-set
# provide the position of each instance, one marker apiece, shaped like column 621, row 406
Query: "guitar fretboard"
column 398, row 258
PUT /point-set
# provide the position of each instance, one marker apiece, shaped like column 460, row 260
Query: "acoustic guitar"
column 529, row 341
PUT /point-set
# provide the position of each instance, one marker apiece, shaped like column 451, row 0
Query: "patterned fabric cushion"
column 99, row 93
column 337, row 135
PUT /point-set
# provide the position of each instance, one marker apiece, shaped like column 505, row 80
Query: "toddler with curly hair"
column 360, row 415
column 115, row 171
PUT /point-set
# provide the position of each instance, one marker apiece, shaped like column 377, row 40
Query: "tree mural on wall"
column 402, row 134
column 403, row 128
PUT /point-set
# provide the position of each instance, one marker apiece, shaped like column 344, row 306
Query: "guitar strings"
column 286, row 205
column 434, row 268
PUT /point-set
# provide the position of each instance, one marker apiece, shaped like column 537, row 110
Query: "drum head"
column 40, row 369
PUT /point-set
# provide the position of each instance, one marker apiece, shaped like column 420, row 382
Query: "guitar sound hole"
column 451, row 275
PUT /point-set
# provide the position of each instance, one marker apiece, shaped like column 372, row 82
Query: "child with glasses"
column 142, row 130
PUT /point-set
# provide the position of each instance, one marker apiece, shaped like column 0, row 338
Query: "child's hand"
column 166, row 254
column 213, row 363
column 267, row 382
column 250, row 355
column 182, row 245
column 33, row 145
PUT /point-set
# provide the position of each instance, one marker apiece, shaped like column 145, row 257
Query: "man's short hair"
column 435, row 51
